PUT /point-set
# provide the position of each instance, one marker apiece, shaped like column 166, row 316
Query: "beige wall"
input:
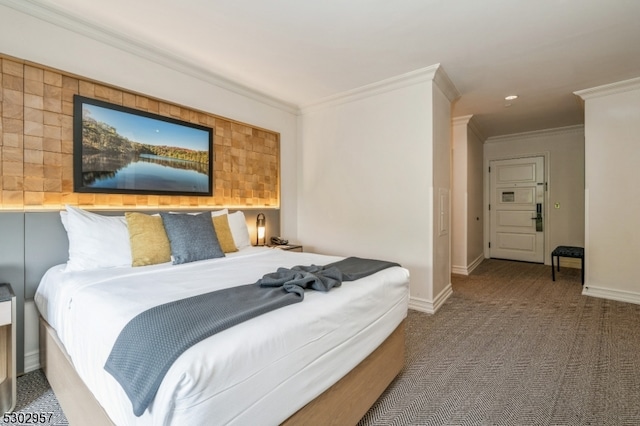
column 563, row 150
column 475, row 186
column 612, row 174
column 367, row 178
column 459, row 195
column 441, row 147
column 467, row 213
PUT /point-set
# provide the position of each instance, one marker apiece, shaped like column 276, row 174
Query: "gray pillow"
column 192, row 237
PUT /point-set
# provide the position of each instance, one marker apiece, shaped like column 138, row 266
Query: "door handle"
column 538, row 217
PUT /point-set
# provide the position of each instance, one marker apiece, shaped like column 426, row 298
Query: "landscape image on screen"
column 124, row 151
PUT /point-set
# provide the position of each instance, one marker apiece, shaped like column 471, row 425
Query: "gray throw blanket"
column 150, row 343
column 354, row 268
column 323, row 278
column 299, row 278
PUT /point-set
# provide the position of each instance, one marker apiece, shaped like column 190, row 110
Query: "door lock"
column 538, row 217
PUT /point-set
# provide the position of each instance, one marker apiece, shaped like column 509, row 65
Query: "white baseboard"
column 460, row 270
column 466, row 270
column 475, row 263
column 607, row 293
column 430, row 306
column 31, row 361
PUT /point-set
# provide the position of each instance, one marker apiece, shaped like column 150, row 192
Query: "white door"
column 517, row 209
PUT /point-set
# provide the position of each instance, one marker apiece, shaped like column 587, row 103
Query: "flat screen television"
column 122, row 150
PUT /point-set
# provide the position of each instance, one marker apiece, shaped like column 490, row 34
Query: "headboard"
column 32, row 242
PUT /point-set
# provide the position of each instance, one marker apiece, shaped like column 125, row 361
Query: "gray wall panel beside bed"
column 45, row 245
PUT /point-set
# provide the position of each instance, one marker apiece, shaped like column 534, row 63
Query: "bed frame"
column 344, row 403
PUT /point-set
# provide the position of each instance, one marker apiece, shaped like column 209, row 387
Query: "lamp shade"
column 261, row 229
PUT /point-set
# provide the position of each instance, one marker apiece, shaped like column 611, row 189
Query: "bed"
column 323, row 360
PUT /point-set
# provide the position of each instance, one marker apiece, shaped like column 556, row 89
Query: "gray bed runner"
column 150, row 343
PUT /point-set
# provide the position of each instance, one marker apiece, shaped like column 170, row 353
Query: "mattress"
column 264, row 369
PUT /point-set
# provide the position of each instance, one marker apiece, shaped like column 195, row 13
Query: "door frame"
column 487, row 194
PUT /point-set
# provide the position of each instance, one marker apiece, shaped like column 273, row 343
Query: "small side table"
column 567, row 251
column 7, row 348
column 289, row 247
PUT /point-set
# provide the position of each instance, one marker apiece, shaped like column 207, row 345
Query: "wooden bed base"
column 342, row 404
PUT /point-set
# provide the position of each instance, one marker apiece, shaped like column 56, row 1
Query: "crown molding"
column 461, row 120
column 473, row 126
column 609, row 89
column 577, row 129
column 470, row 122
column 432, row 73
column 101, row 34
column 398, row 82
column 442, row 80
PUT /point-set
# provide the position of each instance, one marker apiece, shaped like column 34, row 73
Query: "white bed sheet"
column 262, row 370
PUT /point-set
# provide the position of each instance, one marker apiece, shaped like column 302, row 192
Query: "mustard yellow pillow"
column 223, row 231
column 149, row 242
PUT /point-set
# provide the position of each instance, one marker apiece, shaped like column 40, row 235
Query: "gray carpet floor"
column 512, row 347
column 36, row 398
column 509, row 347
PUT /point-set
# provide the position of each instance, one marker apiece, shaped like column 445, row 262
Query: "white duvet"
column 259, row 372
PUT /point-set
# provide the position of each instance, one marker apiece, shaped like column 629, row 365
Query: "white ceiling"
column 300, row 51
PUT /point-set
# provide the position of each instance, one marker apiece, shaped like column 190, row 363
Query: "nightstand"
column 7, row 348
column 289, row 247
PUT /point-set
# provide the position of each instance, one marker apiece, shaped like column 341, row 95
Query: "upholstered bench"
column 567, row 251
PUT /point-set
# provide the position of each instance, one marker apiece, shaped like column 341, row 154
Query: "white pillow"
column 64, row 220
column 96, row 241
column 239, row 230
column 219, row 212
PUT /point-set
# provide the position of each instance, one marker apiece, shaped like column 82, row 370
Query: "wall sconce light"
column 260, row 230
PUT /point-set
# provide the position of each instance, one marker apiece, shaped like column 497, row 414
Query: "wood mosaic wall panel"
column 36, row 146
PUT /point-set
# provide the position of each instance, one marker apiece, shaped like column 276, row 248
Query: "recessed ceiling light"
column 510, row 97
